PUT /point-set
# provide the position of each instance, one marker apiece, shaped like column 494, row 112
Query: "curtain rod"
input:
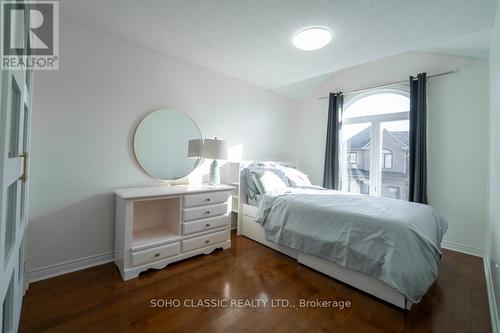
column 391, row 84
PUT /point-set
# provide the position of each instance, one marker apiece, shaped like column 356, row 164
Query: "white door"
column 15, row 116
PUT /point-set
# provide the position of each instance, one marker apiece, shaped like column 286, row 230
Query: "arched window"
column 386, row 159
column 375, row 129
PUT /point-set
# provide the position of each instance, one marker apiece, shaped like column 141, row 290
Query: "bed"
column 399, row 274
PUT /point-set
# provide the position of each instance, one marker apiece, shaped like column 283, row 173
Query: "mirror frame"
column 197, row 161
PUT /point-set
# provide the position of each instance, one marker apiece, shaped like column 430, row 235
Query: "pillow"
column 267, row 181
column 259, row 167
column 295, row 177
column 278, row 172
column 270, row 166
column 251, row 188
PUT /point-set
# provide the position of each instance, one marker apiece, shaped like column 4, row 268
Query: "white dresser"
column 159, row 225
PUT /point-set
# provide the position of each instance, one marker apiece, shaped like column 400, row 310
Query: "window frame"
column 375, row 182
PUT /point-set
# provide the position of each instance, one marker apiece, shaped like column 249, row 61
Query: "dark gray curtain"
column 332, row 166
column 418, row 140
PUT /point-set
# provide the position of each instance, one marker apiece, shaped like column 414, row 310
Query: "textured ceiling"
column 476, row 45
column 251, row 39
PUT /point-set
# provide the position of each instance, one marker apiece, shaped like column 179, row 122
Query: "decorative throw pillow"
column 295, row 177
column 267, row 181
column 259, row 167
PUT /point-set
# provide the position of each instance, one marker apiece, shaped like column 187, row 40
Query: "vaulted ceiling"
column 251, row 39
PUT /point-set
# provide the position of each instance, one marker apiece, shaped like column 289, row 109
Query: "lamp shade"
column 214, row 149
column 195, row 148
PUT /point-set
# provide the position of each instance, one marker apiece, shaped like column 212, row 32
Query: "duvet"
column 395, row 241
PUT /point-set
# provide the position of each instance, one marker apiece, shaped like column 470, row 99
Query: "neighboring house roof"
column 360, row 140
column 363, row 138
column 401, row 136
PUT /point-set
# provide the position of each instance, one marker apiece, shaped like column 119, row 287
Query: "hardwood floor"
column 97, row 300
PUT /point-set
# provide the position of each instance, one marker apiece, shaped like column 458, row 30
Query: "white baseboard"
column 474, row 251
column 495, row 321
column 69, row 266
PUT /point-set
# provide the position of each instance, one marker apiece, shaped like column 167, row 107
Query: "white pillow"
column 295, row 177
column 268, row 181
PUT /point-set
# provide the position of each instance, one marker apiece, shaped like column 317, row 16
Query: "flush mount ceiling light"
column 312, row 39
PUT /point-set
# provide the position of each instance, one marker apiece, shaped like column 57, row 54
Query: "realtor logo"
column 30, row 35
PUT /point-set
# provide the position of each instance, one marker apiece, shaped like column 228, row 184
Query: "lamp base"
column 214, row 178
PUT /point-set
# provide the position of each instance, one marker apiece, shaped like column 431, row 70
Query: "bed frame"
column 248, row 227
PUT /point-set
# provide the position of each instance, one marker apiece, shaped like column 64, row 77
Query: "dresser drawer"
column 205, row 224
column 154, row 254
column 203, row 241
column 205, row 199
column 204, row 212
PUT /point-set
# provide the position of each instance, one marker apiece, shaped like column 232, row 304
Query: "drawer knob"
column 157, row 255
column 207, row 212
column 208, row 199
column 207, row 225
column 207, row 241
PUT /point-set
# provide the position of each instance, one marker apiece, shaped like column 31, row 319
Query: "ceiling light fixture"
column 312, row 39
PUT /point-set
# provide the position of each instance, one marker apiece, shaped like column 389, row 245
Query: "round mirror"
column 167, row 144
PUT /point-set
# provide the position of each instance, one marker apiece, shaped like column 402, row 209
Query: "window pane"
column 25, row 130
column 14, row 120
column 8, row 308
column 394, row 159
column 22, row 251
column 378, row 104
column 27, row 45
column 18, row 30
column 23, row 206
column 356, row 164
column 386, row 160
column 10, row 226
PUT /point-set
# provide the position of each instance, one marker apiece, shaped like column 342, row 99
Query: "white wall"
column 84, row 116
column 493, row 248
column 457, row 136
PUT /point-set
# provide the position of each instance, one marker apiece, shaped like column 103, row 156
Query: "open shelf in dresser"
column 156, row 221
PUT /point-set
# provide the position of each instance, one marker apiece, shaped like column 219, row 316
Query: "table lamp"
column 214, row 149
